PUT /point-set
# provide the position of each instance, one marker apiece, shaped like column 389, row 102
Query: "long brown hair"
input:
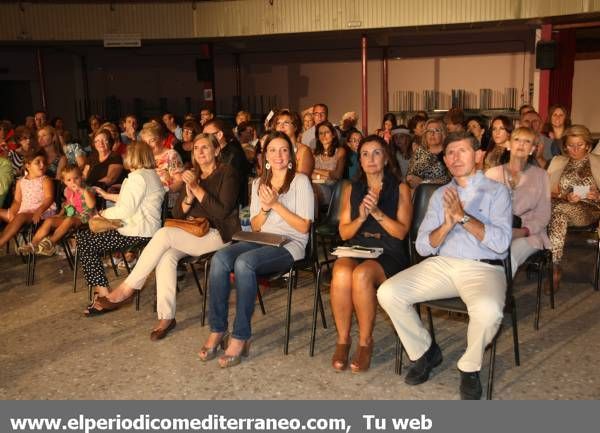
column 267, row 174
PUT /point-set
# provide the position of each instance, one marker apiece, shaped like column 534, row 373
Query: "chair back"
column 59, row 190
column 164, row 210
column 421, row 198
column 335, row 205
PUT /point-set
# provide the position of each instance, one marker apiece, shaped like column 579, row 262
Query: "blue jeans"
column 246, row 260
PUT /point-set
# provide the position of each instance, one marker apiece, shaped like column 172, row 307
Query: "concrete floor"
column 51, row 351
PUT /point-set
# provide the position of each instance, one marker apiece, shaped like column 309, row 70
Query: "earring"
column 290, row 165
column 267, row 166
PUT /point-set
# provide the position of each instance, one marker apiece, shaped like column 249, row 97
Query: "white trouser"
column 163, row 252
column 520, row 249
column 481, row 286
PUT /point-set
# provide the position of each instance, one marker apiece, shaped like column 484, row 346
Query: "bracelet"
column 265, row 211
column 190, row 203
column 380, row 218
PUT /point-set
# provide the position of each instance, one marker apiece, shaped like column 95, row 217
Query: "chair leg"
column 288, row 311
column 316, row 297
column 137, row 300
column 205, row 292
column 538, row 301
column 75, row 262
column 398, row 362
column 597, row 265
column 113, row 265
column 491, row 368
column 513, row 315
column 196, row 279
column 260, row 302
column 431, row 329
column 551, row 279
column 325, row 253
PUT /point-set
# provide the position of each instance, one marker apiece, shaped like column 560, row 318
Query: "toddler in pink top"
column 78, row 207
column 33, row 200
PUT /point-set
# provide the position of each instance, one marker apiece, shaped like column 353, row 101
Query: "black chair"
column 420, row 203
column 309, row 261
column 540, row 263
column 327, row 230
column 591, row 229
column 30, row 230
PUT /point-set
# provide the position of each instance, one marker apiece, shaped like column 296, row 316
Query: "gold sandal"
column 226, row 361
column 210, row 353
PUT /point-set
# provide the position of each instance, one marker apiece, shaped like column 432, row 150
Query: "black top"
column 388, row 204
column 186, row 155
column 234, row 155
column 100, row 169
column 219, row 204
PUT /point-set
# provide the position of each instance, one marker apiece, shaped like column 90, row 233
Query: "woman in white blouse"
column 138, row 206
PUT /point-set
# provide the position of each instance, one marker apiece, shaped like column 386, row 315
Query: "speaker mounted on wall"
column 546, row 54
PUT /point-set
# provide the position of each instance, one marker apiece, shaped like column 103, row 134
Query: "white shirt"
column 139, row 204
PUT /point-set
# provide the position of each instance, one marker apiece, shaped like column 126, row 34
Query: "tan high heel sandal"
column 209, row 353
column 226, row 361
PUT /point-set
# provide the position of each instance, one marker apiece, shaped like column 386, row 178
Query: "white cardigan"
column 139, row 204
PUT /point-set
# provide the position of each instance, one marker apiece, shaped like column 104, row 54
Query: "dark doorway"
column 15, row 101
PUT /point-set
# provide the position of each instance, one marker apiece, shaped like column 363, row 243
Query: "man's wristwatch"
column 465, row 219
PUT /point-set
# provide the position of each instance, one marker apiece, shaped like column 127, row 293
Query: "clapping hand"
column 453, row 208
column 267, row 197
column 370, row 203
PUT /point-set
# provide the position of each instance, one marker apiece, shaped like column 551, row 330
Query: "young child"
column 78, row 206
column 34, row 198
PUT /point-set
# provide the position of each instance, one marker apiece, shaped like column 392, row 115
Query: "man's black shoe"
column 419, row 371
column 470, row 386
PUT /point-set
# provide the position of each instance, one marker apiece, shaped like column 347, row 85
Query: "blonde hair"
column 578, row 131
column 139, row 155
column 523, row 130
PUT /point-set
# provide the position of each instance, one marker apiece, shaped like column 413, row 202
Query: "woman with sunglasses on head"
column 376, row 211
column 575, row 186
column 426, row 163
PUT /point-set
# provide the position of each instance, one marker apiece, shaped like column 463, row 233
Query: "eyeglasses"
column 283, row 123
column 434, row 130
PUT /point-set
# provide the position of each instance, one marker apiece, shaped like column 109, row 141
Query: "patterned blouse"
column 576, row 173
column 428, row 167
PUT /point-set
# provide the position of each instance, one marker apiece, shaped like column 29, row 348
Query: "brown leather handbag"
column 196, row 226
column 99, row 224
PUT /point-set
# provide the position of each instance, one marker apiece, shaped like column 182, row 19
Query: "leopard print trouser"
column 565, row 215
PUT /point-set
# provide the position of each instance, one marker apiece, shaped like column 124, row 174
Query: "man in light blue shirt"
column 467, row 229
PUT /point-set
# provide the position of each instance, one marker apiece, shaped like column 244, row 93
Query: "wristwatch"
column 465, row 219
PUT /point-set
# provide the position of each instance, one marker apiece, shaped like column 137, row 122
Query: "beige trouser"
column 520, row 250
column 481, row 286
column 163, row 252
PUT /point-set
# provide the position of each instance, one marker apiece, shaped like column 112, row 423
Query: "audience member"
column 138, row 207
column 184, row 148
column 530, row 193
column 289, row 123
column 55, row 159
column 467, row 229
column 454, row 120
column 26, row 144
column 330, row 161
column 78, row 206
column 426, row 164
column 168, row 120
column 376, row 211
column 210, row 192
column 282, row 203
column 105, row 167
column 496, row 153
column 34, row 198
column 574, row 183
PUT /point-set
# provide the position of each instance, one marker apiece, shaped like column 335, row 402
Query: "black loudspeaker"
column 204, row 70
column 545, row 55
